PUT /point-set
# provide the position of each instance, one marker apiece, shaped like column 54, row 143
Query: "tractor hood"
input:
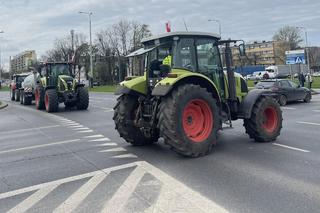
column 66, row 82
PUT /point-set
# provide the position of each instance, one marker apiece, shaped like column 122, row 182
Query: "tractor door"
column 209, row 62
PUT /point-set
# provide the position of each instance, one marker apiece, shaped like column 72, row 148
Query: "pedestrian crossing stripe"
column 173, row 196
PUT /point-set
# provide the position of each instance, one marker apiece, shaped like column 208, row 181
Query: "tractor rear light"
column 172, row 75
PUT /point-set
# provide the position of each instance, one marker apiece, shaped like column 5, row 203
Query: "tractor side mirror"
column 242, row 50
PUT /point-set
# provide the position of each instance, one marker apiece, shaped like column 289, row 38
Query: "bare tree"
column 314, row 56
column 289, row 35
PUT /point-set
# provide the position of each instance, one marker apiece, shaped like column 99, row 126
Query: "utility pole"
column 90, row 48
column 218, row 21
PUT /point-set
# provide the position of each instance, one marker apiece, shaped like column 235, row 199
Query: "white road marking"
column 103, row 108
column 38, row 146
column 86, row 131
column 64, row 180
column 125, row 156
column 75, row 126
column 316, row 110
column 72, row 124
column 94, row 136
column 32, row 199
column 82, row 128
column 100, row 140
column 122, row 195
column 309, row 123
column 290, row 108
column 290, row 147
column 29, row 129
column 77, row 197
column 119, row 149
column 106, row 144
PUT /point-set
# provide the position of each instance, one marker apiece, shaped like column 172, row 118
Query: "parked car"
column 287, row 90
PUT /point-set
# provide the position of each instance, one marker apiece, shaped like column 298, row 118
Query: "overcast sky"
column 34, row 24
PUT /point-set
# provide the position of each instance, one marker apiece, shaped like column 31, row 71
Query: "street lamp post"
column 90, row 35
column 218, row 21
column 306, row 46
column 0, row 61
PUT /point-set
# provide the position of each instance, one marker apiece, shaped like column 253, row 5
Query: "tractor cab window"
column 59, row 69
column 184, row 55
column 158, row 57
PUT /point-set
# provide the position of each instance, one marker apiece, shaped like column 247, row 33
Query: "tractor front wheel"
column 51, row 100
column 124, row 116
column 265, row 122
column 39, row 98
column 83, row 99
column 188, row 120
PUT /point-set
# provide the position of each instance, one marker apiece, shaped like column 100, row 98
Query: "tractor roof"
column 21, row 74
column 182, row 33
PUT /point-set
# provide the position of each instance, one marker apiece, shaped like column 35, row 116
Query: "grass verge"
column 108, row 88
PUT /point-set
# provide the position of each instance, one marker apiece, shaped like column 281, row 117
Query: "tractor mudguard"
column 184, row 77
column 250, row 99
column 133, row 86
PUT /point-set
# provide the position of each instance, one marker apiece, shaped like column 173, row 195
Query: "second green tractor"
column 58, row 85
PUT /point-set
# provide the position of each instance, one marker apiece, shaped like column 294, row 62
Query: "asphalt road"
column 75, row 161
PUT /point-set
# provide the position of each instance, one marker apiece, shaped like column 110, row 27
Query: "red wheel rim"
column 46, row 102
column 197, row 120
column 37, row 97
column 270, row 122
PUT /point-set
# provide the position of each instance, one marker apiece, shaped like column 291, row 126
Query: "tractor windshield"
column 60, row 69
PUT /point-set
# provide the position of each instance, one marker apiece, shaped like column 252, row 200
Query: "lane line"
column 75, row 126
column 309, row 123
column 82, row 128
column 290, row 147
column 119, row 149
column 125, row 156
column 78, row 196
column 32, row 199
column 100, row 140
column 29, row 129
column 86, row 131
column 65, row 180
column 38, row 146
column 106, row 144
column 122, row 195
column 290, row 108
column 94, row 136
column 316, row 110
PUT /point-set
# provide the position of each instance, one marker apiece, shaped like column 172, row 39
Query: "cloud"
column 35, row 24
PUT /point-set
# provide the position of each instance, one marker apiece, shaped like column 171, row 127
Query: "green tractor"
column 185, row 95
column 58, row 85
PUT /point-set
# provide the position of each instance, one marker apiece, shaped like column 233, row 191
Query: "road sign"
column 295, row 57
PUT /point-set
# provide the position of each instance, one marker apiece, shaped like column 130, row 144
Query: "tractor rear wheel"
column 51, row 100
column 17, row 95
column 83, row 99
column 39, row 98
column 124, row 116
column 266, row 120
column 188, row 120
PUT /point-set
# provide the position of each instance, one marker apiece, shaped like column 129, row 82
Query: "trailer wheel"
column 83, row 99
column 189, row 120
column 39, row 97
column 124, row 115
column 51, row 100
column 265, row 122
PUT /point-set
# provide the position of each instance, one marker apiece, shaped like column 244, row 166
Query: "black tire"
column 12, row 94
column 266, row 120
column 83, row 99
column 17, row 95
column 39, row 97
column 22, row 97
column 282, row 100
column 175, row 123
column 124, row 115
column 51, row 100
column 308, row 98
column 27, row 100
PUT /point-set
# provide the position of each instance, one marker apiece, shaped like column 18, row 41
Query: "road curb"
column 3, row 105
